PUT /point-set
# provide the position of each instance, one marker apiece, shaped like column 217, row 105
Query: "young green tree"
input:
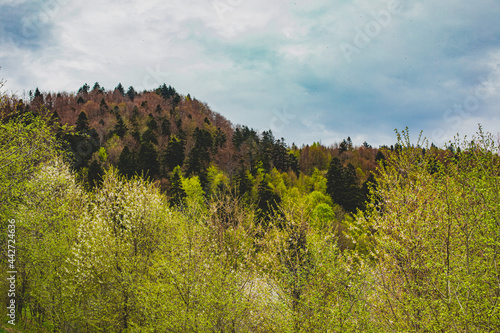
column 435, row 239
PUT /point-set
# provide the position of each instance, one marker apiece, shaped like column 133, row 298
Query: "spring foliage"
column 120, row 257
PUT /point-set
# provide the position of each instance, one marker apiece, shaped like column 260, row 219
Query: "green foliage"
column 436, row 239
column 176, row 191
column 147, row 160
column 174, row 154
column 25, row 143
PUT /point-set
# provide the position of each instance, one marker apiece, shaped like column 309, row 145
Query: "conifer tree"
column 268, row 201
column 127, row 163
column 152, row 124
column 131, row 93
column 176, row 192
column 148, row 160
column 174, row 155
column 120, row 89
column 120, row 127
column 82, row 123
column 165, row 127
column 95, row 174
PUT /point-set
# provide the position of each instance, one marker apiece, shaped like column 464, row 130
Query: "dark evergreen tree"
column 176, row 192
column 127, row 163
column 335, row 180
column 103, row 106
column 135, row 112
column 243, row 182
column 165, row 127
column 84, row 89
column 280, row 156
column 343, row 146
column 380, row 156
column 199, row 156
column 266, row 147
column 268, row 202
column 151, row 123
column 149, row 136
column 95, row 174
column 352, row 197
column 131, row 93
column 82, row 123
column 174, row 154
column 342, row 185
column 148, row 160
column 120, row 89
column 219, row 140
column 120, row 127
column 350, row 146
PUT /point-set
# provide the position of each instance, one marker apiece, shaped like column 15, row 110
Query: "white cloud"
column 246, row 59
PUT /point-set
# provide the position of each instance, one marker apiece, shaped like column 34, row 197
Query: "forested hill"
column 125, row 211
column 151, row 133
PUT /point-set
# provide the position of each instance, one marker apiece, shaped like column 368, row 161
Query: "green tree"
column 120, row 127
column 148, row 160
column 436, row 242
column 176, row 192
column 127, row 163
column 174, row 154
column 94, row 174
column 82, row 123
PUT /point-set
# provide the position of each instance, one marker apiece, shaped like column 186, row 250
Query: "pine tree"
column 131, row 93
column 127, row 163
column 176, row 192
column 243, row 182
column 149, row 136
column 151, row 123
column 120, row 89
column 342, row 185
column 95, row 174
column 148, row 160
column 82, row 123
column 268, row 202
column 380, row 156
column 334, row 176
column 165, row 127
column 120, row 127
column 199, row 156
column 174, row 154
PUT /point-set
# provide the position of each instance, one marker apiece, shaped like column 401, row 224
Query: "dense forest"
column 149, row 212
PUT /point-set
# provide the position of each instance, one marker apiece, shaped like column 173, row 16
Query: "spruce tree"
column 120, row 127
column 174, row 155
column 148, row 160
column 95, row 174
column 127, row 163
column 82, row 123
column 176, row 192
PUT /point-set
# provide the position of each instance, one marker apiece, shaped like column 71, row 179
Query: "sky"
column 309, row 70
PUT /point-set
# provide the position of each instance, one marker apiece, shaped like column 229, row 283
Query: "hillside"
column 126, row 211
column 150, row 133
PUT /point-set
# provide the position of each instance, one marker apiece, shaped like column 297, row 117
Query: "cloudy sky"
column 310, row 70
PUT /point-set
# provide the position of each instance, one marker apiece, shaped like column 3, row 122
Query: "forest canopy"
column 147, row 211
